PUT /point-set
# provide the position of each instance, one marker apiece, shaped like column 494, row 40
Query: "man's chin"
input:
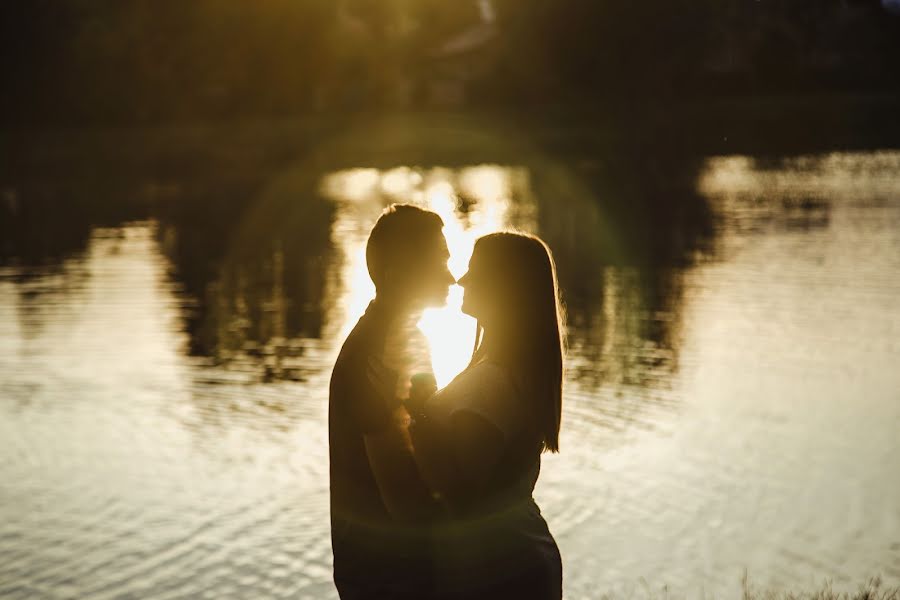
column 422, row 303
column 437, row 301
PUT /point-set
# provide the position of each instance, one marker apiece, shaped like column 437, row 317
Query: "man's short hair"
column 397, row 236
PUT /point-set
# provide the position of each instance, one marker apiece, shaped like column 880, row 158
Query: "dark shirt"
column 497, row 544
column 374, row 555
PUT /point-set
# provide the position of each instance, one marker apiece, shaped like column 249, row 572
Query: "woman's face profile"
column 475, row 297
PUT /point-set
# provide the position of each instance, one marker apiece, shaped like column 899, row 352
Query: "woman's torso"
column 498, row 533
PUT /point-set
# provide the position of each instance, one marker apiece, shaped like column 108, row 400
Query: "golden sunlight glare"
column 362, row 194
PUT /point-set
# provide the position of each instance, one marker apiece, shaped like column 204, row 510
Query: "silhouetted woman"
column 479, row 440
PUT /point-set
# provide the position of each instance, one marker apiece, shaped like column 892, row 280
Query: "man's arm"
column 402, row 489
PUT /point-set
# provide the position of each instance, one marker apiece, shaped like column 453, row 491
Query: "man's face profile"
column 430, row 278
column 407, row 257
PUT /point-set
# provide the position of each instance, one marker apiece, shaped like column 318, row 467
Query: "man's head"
column 407, row 257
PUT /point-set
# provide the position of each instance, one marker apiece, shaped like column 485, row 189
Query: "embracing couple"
column 431, row 490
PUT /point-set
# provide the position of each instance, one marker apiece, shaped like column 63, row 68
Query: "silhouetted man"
column 379, row 505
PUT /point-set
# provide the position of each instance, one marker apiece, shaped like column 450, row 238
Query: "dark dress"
column 375, row 557
column 496, row 545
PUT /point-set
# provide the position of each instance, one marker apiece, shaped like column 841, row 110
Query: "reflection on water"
column 731, row 403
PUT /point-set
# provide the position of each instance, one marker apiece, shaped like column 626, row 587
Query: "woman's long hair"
column 527, row 333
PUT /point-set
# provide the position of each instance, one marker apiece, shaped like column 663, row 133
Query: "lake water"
column 732, row 401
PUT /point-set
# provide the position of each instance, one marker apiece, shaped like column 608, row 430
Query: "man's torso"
column 370, row 547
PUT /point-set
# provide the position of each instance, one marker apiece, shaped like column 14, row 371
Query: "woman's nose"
column 462, row 281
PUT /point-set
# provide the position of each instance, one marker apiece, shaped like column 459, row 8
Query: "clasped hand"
column 384, row 381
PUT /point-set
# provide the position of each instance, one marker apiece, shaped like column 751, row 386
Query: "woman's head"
column 511, row 289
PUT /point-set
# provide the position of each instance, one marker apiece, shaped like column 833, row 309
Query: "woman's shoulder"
column 483, row 378
column 485, row 389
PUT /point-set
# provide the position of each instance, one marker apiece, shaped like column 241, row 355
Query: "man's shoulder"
column 355, row 349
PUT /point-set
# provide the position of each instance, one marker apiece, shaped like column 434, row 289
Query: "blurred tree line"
column 713, row 46
column 139, row 61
